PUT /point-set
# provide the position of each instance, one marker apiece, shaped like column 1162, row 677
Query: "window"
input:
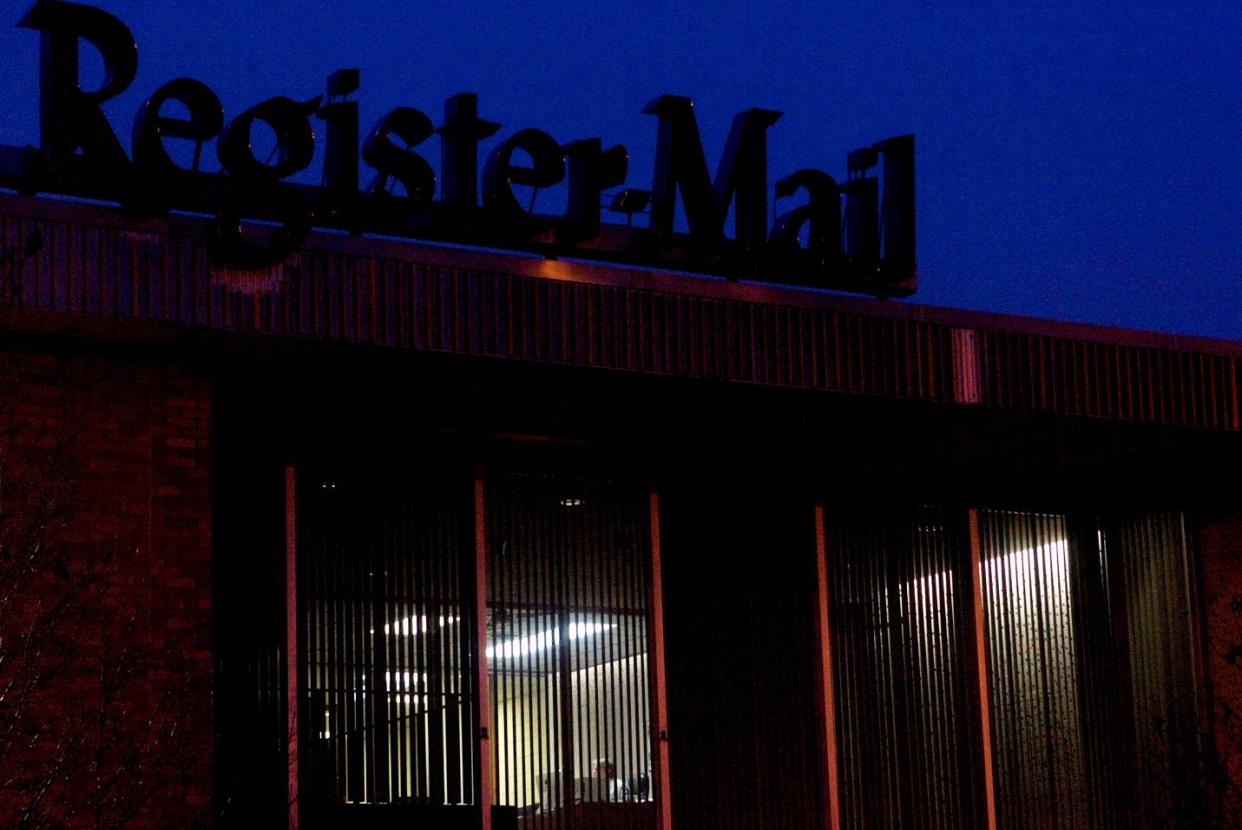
column 567, row 649
column 1087, row 667
column 907, row 725
column 389, row 717
column 388, row 634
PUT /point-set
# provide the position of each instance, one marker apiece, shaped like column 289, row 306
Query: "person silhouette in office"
column 607, row 787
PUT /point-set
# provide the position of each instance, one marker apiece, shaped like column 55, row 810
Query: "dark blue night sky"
column 1075, row 161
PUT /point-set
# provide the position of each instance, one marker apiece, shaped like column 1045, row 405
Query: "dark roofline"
column 647, row 280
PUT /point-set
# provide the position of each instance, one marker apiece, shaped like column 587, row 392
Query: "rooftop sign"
column 853, row 235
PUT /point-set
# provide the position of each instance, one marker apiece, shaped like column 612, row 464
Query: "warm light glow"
column 1018, row 566
column 544, row 640
column 934, row 589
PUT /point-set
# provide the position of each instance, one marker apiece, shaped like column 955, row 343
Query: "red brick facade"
column 108, row 523
column 1220, row 562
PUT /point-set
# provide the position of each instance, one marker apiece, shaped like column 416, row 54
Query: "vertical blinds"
column 1038, row 746
column 1160, row 639
column 898, row 588
column 1088, row 643
column 1088, row 647
column 387, row 640
column 1090, row 670
column 567, row 650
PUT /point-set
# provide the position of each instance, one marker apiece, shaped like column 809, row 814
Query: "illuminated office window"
column 1088, row 657
column 567, row 650
column 1039, row 748
column 1090, row 670
column 388, row 713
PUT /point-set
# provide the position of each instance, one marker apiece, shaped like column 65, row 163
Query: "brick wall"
column 1220, row 566
column 105, row 593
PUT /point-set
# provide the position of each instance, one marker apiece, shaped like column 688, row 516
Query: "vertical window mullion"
column 482, row 695
column 980, row 666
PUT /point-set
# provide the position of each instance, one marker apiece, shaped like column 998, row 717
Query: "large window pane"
column 1090, row 670
column 387, row 639
column 1149, row 552
column 1038, row 748
column 907, row 734
column 567, row 650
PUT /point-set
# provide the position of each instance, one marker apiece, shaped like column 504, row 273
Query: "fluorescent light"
column 404, row 680
column 415, row 625
column 544, row 640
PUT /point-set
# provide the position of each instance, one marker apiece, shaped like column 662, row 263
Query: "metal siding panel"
column 111, row 270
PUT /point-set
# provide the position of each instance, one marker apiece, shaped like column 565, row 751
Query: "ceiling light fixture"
column 544, row 640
